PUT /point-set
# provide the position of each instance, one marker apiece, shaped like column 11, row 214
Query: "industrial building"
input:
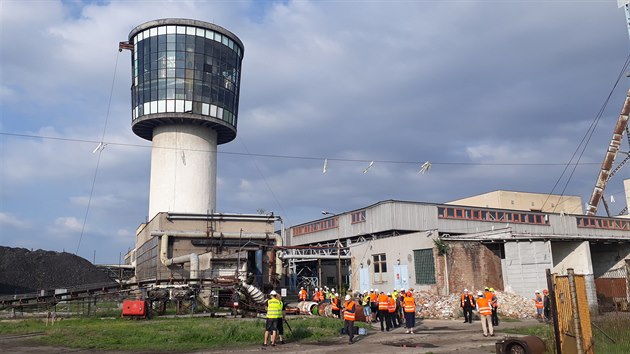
column 185, row 94
column 445, row 248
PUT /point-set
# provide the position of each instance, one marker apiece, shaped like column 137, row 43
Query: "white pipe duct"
column 225, row 235
column 193, row 258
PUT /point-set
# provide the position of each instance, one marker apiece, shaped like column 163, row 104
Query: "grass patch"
column 617, row 328
column 168, row 335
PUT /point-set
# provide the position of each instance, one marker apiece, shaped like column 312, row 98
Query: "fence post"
column 627, row 281
column 554, row 310
column 576, row 312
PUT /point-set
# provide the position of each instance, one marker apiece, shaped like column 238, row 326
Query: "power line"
column 312, row 158
column 99, row 149
column 586, row 138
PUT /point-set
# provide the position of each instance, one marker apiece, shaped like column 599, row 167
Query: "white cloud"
column 65, row 225
column 8, row 219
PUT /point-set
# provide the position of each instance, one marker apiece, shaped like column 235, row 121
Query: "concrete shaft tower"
column 185, row 93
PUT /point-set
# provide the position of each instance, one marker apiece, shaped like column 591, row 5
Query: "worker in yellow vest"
column 409, row 306
column 274, row 314
column 485, row 313
column 349, row 310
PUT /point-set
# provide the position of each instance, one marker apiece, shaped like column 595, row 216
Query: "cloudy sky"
column 495, row 94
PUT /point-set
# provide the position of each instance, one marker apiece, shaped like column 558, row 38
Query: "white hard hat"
column 465, row 290
column 333, row 290
column 273, row 292
column 337, row 294
column 347, row 297
column 316, row 289
column 371, row 289
column 537, row 291
column 479, row 293
column 402, row 289
column 376, row 290
column 301, row 287
column 388, row 294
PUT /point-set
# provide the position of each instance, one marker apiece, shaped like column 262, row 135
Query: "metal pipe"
column 312, row 256
column 193, row 258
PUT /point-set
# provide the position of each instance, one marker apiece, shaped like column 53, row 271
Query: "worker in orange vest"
column 485, row 313
column 302, row 294
column 391, row 311
column 467, row 304
column 540, row 305
column 373, row 305
column 335, row 306
column 382, row 308
column 409, row 307
column 349, row 310
column 487, row 293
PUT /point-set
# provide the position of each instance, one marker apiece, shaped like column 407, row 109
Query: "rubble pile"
column 24, row 271
column 430, row 305
column 515, row 306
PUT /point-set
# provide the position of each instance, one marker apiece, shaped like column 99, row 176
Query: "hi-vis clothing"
column 483, row 306
column 349, row 309
column 383, row 302
column 391, row 305
column 274, row 308
column 410, row 304
column 335, row 303
column 302, row 295
column 538, row 300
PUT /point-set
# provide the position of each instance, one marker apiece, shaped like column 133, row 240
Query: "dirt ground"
column 431, row 336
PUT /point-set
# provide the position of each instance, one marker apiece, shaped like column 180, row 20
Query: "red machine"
column 134, row 308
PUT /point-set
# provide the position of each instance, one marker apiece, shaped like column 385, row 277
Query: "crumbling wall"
column 471, row 265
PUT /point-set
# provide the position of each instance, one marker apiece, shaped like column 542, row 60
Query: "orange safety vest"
column 487, row 295
column 484, row 306
column 382, row 302
column 302, row 295
column 391, row 307
column 319, row 296
column 539, row 302
column 372, row 297
column 349, row 306
column 469, row 296
column 410, row 304
column 335, row 304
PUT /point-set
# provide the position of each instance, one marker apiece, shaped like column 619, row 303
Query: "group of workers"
column 390, row 309
column 486, row 305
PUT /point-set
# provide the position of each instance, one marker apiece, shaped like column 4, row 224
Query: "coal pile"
column 24, row 271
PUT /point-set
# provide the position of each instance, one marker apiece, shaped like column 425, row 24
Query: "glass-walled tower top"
column 185, row 71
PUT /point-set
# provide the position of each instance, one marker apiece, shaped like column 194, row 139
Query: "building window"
column 380, row 267
column 424, row 266
column 358, row 216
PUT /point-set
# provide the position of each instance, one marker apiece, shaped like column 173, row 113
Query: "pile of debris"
column 24, row 271
column 430, row 305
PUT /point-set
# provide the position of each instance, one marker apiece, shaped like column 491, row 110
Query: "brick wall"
column 471, row 265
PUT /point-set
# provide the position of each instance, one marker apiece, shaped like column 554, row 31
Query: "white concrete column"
column 183, row 170
column 626, row 188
